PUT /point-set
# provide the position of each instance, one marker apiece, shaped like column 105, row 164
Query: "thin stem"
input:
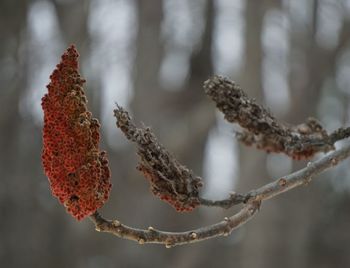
column 233, row 200
column 170, row 239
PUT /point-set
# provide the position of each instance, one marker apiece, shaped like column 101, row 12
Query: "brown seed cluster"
column 260, row 127
column 170, row 181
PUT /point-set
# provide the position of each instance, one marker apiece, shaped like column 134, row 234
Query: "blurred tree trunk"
column 273, row 230
column 280, row 235
column 13, row 80
column 308, row 234
column 73, row 19
column 250, row 251
column 164, row 110
column 159, row 108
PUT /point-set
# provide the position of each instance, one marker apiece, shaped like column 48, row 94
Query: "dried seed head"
column 260, row 127
column 77, row 170
column 170, row 181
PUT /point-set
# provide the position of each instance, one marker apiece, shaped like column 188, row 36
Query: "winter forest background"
column 152, row 57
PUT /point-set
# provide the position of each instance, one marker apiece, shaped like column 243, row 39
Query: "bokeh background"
column 152, row 57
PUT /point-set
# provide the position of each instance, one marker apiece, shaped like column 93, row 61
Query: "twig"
column 263, row 130
column 233, row 200
column 171, row 239
column 225, row 227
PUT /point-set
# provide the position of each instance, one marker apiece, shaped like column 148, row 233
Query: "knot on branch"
column 78, row 172
column 170, row 181
column 261, row 129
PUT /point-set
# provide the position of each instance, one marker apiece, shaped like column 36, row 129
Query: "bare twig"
column 171, row 239
column 263, row 130
column 233, row 200
column 225, row 227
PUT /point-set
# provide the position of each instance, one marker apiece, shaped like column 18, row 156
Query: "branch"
column 171, row 239
column 233, row 200
column 263, row 130
column 225, row 227
column 79, row 173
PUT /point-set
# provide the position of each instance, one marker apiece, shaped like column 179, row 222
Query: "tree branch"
column 79, row 173
column 171, row 239
column 225, row 227
column 233, row 200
